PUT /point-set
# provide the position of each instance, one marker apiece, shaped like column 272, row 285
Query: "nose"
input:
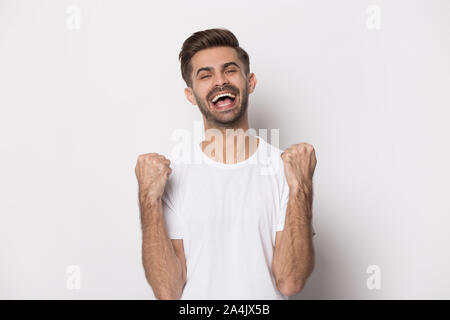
column 220, row 79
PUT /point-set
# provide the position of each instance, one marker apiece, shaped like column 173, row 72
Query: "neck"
column 229, row 144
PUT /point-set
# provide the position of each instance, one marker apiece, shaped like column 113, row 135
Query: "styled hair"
column 206, row 39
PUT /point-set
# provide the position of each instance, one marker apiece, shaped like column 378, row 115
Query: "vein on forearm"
column 294, row 257
column 159, row 258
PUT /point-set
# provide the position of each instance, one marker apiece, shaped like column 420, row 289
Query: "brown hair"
column 208, row 39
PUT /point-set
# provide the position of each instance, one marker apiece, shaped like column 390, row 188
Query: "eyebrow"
column 223, row 67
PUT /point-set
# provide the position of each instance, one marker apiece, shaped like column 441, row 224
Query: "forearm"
column 163, row 269
column 293, row 260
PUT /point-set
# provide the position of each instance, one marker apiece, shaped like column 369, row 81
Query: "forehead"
column 213, row 57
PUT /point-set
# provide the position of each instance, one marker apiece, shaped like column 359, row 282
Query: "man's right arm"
column 164, row 270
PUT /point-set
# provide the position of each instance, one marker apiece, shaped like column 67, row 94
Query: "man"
column 225, row 228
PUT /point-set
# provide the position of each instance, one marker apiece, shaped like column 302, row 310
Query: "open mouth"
column 224, row 101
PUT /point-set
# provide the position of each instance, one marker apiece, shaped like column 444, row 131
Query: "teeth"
column 227, row 94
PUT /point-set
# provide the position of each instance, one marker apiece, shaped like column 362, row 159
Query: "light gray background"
column 78, row 107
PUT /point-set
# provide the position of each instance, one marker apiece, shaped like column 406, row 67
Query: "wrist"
column 302, row 197
column 147, row 198
column 149, row 204
column 153, row 201
column 300, row 190
column 151, row 212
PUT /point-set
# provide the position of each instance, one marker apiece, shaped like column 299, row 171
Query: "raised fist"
column 152, row 171
column 299, row 165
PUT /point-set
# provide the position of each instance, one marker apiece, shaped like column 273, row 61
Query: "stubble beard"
column 211, row 117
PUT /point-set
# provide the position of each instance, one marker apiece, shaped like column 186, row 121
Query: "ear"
column 251, row 82
column 190, row 95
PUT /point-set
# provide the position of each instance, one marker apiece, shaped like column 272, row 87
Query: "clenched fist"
column 299, row 165
column 152, row 171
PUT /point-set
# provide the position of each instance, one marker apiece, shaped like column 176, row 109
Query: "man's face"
column 219, row 71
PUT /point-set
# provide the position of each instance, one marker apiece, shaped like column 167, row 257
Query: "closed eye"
column 206, row 76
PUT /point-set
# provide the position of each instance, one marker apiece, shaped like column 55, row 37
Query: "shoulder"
column 270, row 159
column 178, row 171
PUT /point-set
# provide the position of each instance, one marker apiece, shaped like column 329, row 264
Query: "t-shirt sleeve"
column 281, row 217
column 170, row 205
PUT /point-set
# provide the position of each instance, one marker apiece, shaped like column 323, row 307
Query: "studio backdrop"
column 87, row 86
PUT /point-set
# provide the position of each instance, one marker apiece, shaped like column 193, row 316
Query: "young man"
column 226, row 228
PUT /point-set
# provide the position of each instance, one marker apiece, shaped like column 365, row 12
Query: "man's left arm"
column 293, row 259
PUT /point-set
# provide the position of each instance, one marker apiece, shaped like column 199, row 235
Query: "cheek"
column 203, row 90
column 239, row 82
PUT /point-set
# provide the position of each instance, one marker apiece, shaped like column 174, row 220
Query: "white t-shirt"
column 227, row 216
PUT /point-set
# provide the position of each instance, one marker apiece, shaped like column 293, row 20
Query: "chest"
column 229, row 203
